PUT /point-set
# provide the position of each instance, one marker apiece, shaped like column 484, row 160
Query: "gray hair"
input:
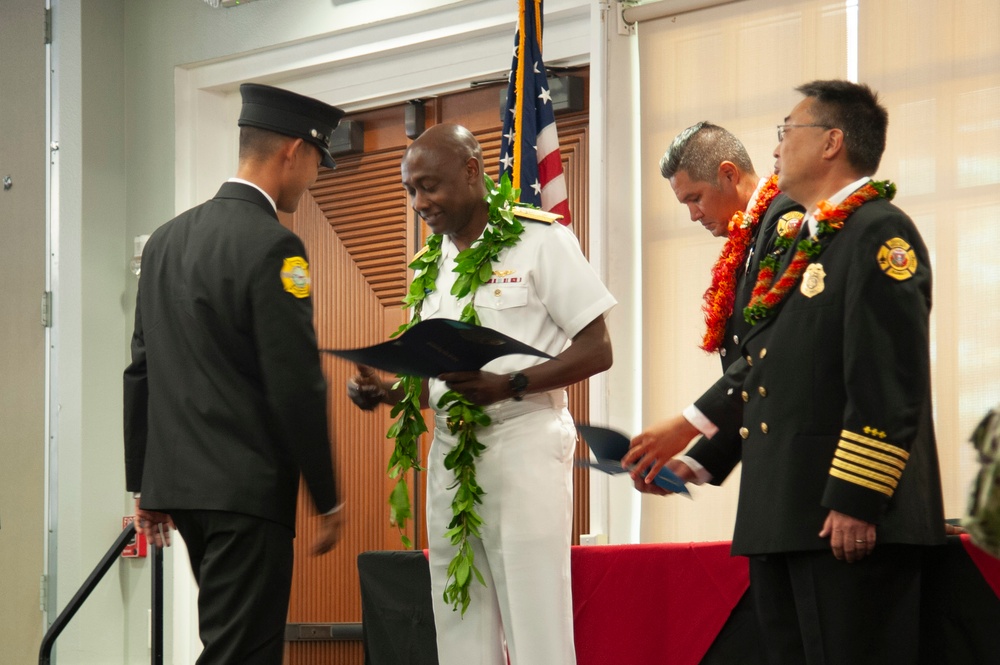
column 699, row 150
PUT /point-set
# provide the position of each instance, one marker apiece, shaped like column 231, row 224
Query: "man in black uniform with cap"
column 225, row 400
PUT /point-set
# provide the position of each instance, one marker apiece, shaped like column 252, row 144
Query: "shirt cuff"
column 335, row 509
column 694, row 416
column 701, row 474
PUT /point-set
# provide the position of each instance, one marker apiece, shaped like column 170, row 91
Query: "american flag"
column 529, row 151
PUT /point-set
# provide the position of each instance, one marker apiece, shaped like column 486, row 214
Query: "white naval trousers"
column 526, row 473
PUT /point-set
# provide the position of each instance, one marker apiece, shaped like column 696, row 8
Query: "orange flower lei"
column 830, row 219
column 721, row 295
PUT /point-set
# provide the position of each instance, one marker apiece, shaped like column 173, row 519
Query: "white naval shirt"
column 543, row 292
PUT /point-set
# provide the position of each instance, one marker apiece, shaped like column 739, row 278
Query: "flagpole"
column 519, row 87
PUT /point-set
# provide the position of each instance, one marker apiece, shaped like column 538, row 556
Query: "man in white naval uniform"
column 543, row 292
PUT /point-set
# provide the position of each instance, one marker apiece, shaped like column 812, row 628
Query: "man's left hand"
column 482, row 388
column 851, row 539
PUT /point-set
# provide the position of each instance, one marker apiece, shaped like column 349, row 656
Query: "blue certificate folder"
column 436, row 346
column 609, row 447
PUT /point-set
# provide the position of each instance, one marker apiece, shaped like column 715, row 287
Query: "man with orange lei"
column 711, row 173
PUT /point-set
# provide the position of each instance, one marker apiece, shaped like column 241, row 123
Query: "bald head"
column 447, row 143
column 443, row 174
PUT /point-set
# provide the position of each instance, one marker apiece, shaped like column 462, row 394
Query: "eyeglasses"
column 784, row 128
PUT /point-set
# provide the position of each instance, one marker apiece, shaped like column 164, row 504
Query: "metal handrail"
column 57, row 627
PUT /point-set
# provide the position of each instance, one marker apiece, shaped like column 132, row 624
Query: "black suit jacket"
column 225, row 401
column 838, row 415
column 720, row 455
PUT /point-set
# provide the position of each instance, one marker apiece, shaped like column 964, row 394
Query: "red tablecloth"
column 653, row 603
column 665, row 604
column 988, row 565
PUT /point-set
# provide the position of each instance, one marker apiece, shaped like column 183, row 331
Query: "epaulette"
column 536, row 215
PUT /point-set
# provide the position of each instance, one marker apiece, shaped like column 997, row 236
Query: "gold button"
column 763, row 391
column 763, row 352
column 746, row 396
column 744, row 432
column 722, row 352
column 497, row 292
column 763, row 428
column 749, row 361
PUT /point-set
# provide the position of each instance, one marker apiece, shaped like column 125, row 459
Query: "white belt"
column 509, row 408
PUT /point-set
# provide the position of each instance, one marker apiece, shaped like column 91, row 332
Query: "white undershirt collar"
column 836, row 199
column 257, row 187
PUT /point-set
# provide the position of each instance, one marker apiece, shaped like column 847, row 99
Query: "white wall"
column 88, row 283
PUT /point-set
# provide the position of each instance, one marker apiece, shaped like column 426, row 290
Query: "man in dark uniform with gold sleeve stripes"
column 225, row 400
column 840, row 487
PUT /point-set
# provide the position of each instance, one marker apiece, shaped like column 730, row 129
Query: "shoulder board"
column 421, row 252
column 535, row 214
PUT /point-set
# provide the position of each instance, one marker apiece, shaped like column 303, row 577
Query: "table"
column 676, row 604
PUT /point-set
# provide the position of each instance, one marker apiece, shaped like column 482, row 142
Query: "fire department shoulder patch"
column 897, row 259
column 789, row 224
column 295, row 276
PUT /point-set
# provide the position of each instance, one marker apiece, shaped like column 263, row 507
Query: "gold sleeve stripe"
column 837, row 473
column 867, row 473
column 878, row 445
column 858, row 459
column 871, row 454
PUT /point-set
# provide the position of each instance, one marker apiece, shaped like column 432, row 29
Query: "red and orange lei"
column 721, row 295
column 830, row 219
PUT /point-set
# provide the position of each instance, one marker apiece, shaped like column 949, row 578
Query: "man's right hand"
column 682, row 470
column 651, row 449
column 366, row 389
column 329, row 532
column 154, row 525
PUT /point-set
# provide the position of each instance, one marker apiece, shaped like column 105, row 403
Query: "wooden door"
column 360, row 235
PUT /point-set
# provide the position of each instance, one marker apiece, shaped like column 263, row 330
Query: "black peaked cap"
column 291, row 114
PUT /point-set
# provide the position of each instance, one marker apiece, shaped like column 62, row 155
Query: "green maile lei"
column 474, row 267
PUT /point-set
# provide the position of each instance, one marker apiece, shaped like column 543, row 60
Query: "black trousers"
column 243, row 566
column 816, row 610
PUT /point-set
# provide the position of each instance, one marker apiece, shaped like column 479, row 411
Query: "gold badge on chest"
column 812, row 280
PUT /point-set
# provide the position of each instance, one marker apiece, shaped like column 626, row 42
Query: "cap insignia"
column 316, row 134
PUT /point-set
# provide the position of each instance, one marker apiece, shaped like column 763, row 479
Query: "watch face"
column 518, row 382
